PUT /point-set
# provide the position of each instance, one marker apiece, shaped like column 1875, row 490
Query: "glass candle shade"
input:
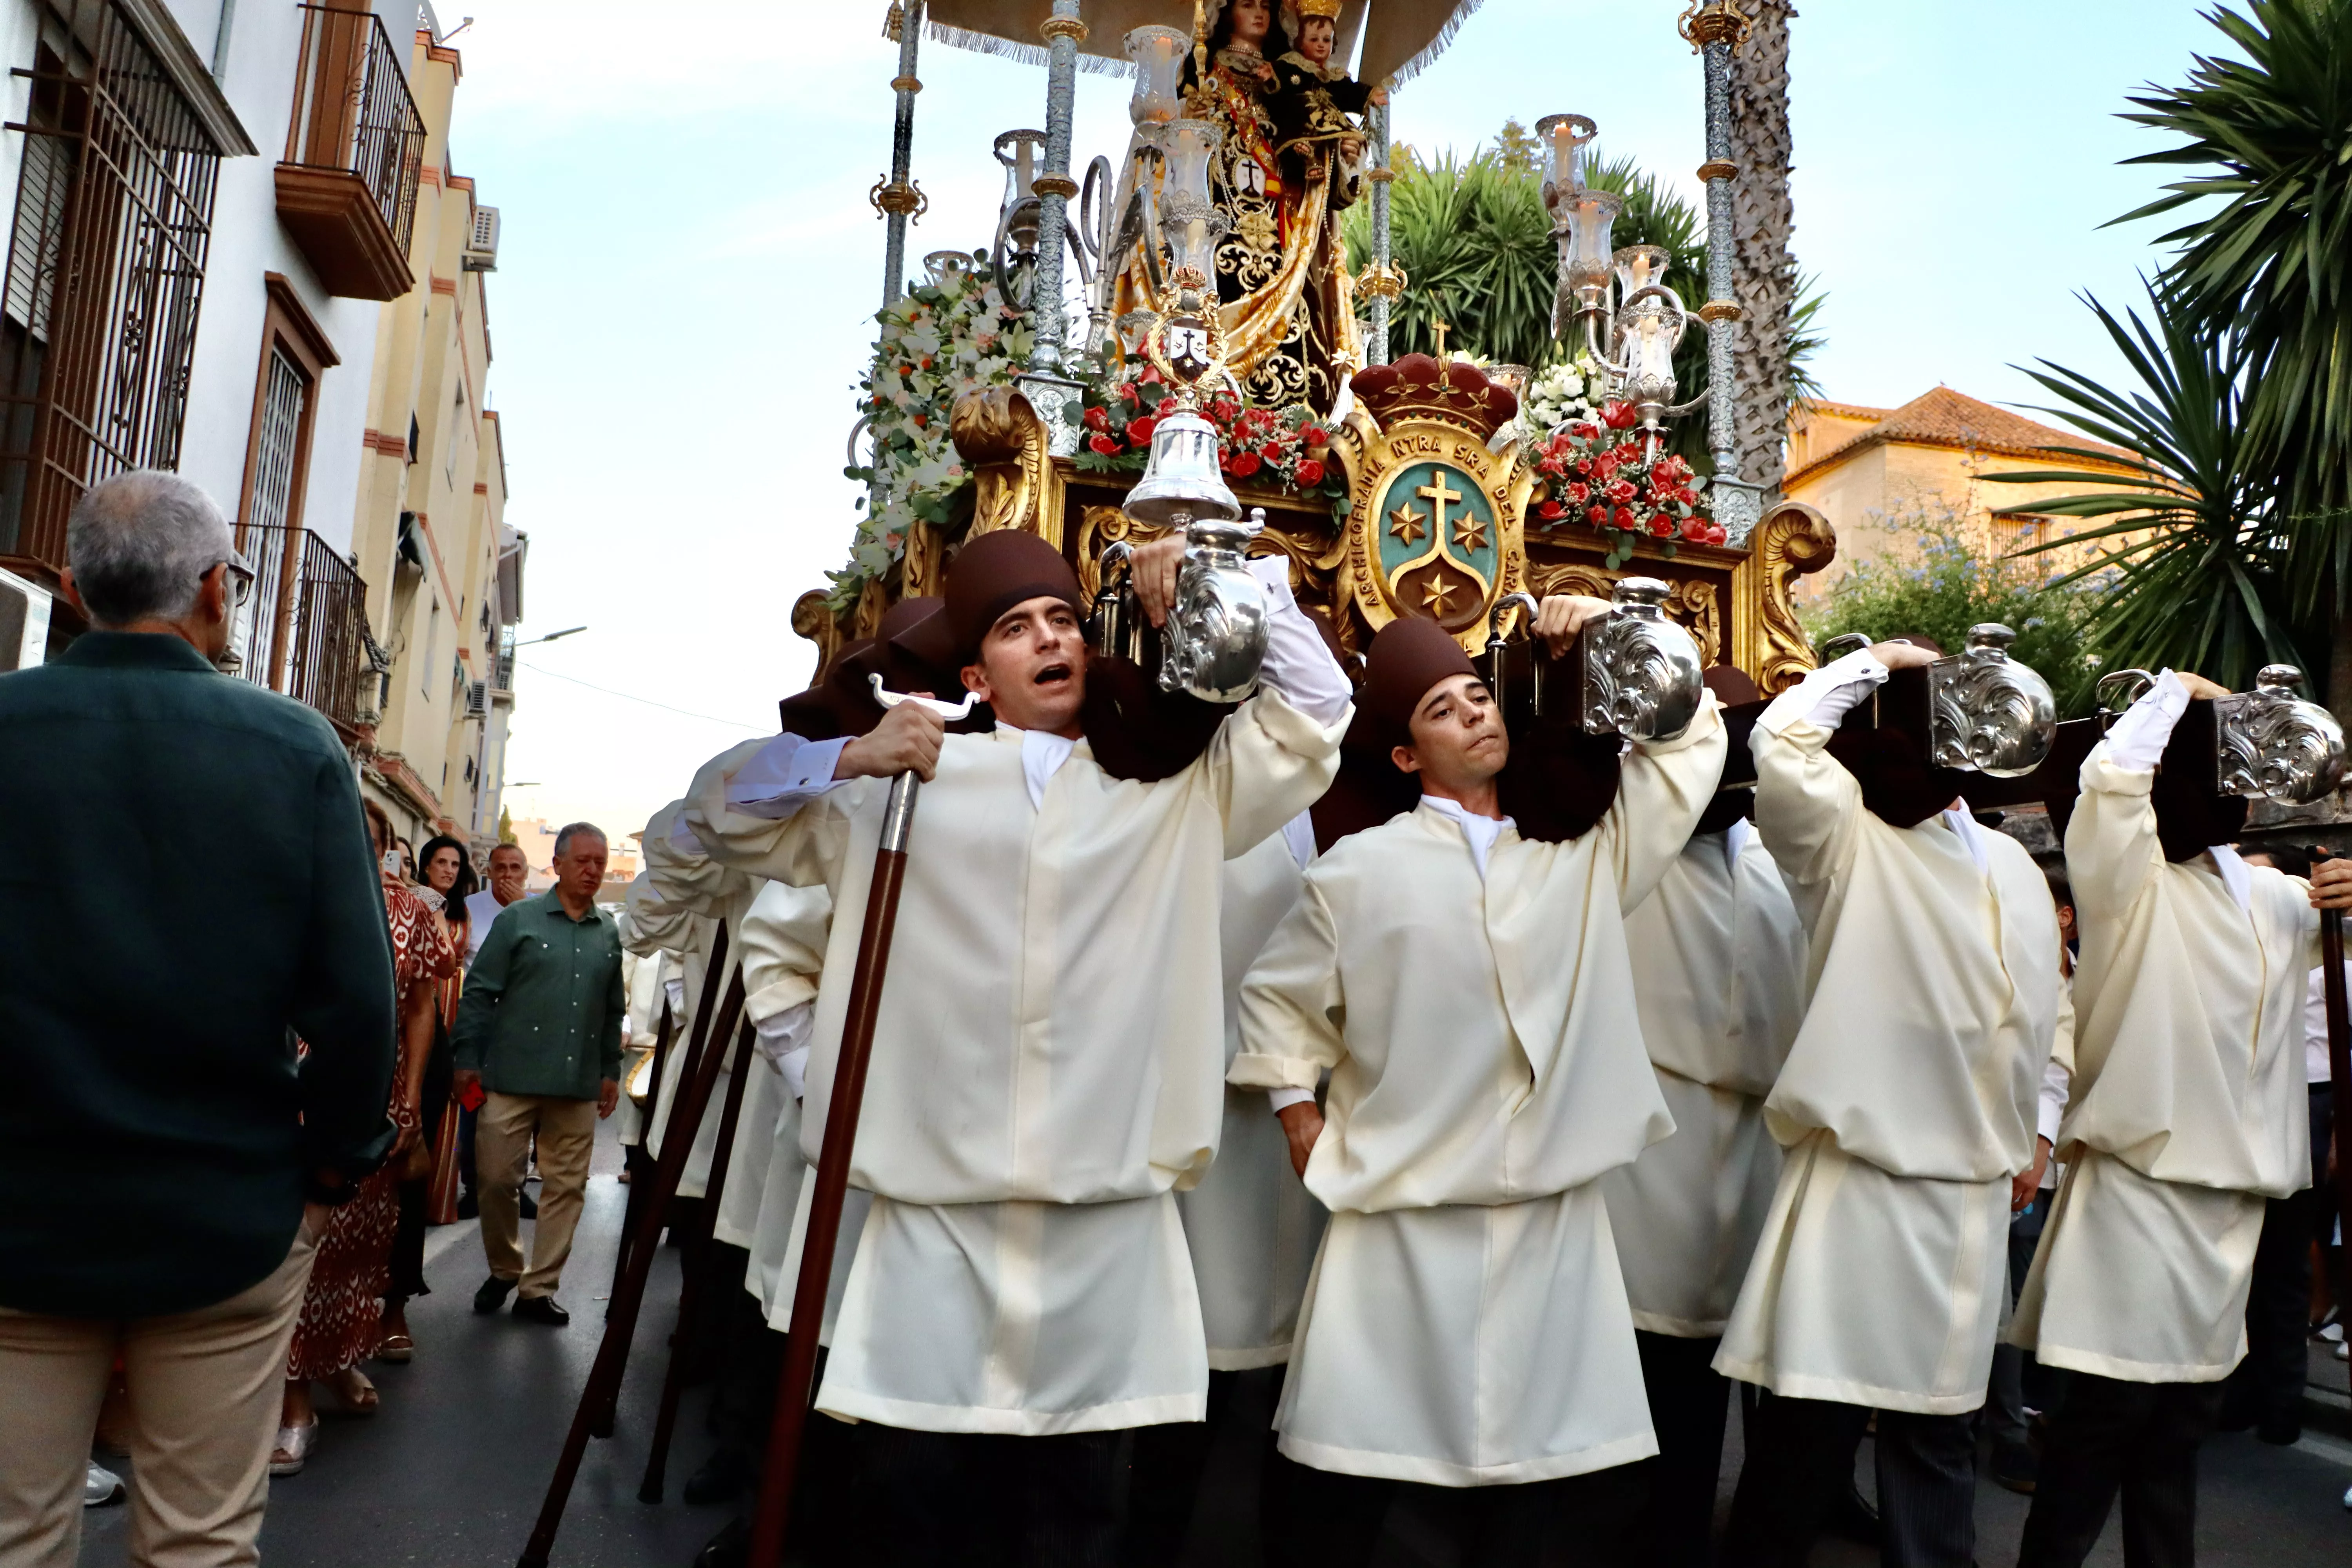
column 1565, row 138
column 1159, row 56
column 1646, row 345
column 1188, row 220
column 1585, row 217
column 1638, row 267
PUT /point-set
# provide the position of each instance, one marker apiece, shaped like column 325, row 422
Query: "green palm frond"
column 2269, row 257
column 2192, row 573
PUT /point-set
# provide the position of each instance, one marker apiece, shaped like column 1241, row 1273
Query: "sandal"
column 353, row 1392
column 397, row 1349
column 293, row 1450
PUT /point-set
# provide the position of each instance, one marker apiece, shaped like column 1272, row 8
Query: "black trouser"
column 1164, row 1479
column 1800, row 1460
column 983, row 1500
column 1689, row 1401
column 2266, row 1390
column 743, row 1351
column 1334, row 1520
column 2140, row 1439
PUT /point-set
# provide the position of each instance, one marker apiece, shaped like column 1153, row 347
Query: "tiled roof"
column 1946, row 419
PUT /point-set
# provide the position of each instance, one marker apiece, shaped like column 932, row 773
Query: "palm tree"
column 1765, row 284
column 1477, row 246
column 2192, row 575
column 2268, row 262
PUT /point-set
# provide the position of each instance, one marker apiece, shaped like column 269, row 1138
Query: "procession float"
column 1175, row 341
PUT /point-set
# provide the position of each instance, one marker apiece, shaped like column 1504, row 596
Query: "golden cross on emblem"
column 1440, row 495
column 1407, row 525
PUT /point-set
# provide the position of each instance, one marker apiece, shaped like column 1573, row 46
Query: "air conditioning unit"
column 482, row 242
column 24, row 623
column 478, row 699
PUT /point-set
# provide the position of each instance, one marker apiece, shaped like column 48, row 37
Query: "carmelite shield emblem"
column 1434, row 530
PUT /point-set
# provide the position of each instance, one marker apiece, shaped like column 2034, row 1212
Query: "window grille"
column 106, row 266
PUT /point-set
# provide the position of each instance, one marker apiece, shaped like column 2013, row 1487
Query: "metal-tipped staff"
column 599, row 1398
column 698, row 1265
column 793, row 1390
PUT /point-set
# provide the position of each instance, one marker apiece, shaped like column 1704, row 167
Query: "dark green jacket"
column 542, row 1010
column 185, row 882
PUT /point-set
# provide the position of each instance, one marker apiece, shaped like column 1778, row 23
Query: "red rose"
column 1106, row 444
column 1620, row 492
column 1310, row 473
column 1138, row 431
column 1716, row 534
column 1598, row 516
column 1580, row 494
column 921, row 420
column 1661, row 525
column 1314, row 437
column 1241, row 465
column 1167, row 406
column 1550, row 511
column 1151, row 376
column 1619, row 417
column 1097, row 418
column 1694, row 528
column 1623, row 518
column 1583, row 466
column 1683, row 495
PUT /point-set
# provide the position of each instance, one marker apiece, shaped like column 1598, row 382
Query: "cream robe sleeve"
column 1267, row 762
column 805, row 849
column 1663, row 789
column 1292, row 1016
column 1807, row 807
column 783, row 942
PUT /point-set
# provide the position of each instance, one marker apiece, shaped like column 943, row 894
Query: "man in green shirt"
column 539, row 1028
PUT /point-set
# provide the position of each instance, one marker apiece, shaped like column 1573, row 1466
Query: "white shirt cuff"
column 674, row 989
column 1282, row 1100
column 2051, row 1108
column 1298, row 663
column 2136, row 742
column 1828, row 694
column 784, row 775
column 794, row 1066
column 782, row 1033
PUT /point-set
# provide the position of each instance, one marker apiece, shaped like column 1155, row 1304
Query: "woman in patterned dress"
column 339, row 1327
column 428, row 1183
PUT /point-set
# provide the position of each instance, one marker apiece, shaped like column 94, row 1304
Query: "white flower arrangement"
column 937, row 342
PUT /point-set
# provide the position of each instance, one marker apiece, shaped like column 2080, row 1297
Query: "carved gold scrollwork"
column 813, row 618
column 1103, row 525
column 924, row 569
column 1000, row 436
column 1792, row 542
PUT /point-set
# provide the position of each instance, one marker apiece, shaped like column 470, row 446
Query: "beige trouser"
column 205, row 1392
column 502, row 1135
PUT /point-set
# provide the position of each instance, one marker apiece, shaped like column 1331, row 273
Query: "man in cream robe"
column 1904, row 1108
column 1719, row 957
column 2188, row 1111
column 1470, row 996
column 1048, row 1047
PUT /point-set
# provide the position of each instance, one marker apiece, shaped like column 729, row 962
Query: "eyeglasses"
column 240, row 579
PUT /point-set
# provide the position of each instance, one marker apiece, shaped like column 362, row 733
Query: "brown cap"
column 995, row 572
column 1408, row 657
column 1730, row 685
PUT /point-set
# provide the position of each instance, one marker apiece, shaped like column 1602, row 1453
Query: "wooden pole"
column 793, row 1391
column 602, row 1393
column 637, row 1205
column 698, row 1265
column 605, row 1418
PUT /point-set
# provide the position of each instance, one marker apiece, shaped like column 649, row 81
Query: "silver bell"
column 1183, row 483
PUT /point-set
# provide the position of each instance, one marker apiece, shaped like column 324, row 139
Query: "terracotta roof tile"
column 1946, row 419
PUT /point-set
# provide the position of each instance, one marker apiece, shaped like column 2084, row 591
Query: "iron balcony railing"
column 353, row 111
column 303, row 630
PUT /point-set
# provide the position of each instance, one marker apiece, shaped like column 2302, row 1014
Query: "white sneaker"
column 101, row 1487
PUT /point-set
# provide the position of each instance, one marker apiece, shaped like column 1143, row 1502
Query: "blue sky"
column 689, row 265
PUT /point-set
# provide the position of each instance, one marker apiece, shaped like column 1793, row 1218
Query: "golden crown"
column 1326, row 9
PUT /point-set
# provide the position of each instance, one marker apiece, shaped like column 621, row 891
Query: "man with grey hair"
column 165, row 1155
column 539, row 1028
